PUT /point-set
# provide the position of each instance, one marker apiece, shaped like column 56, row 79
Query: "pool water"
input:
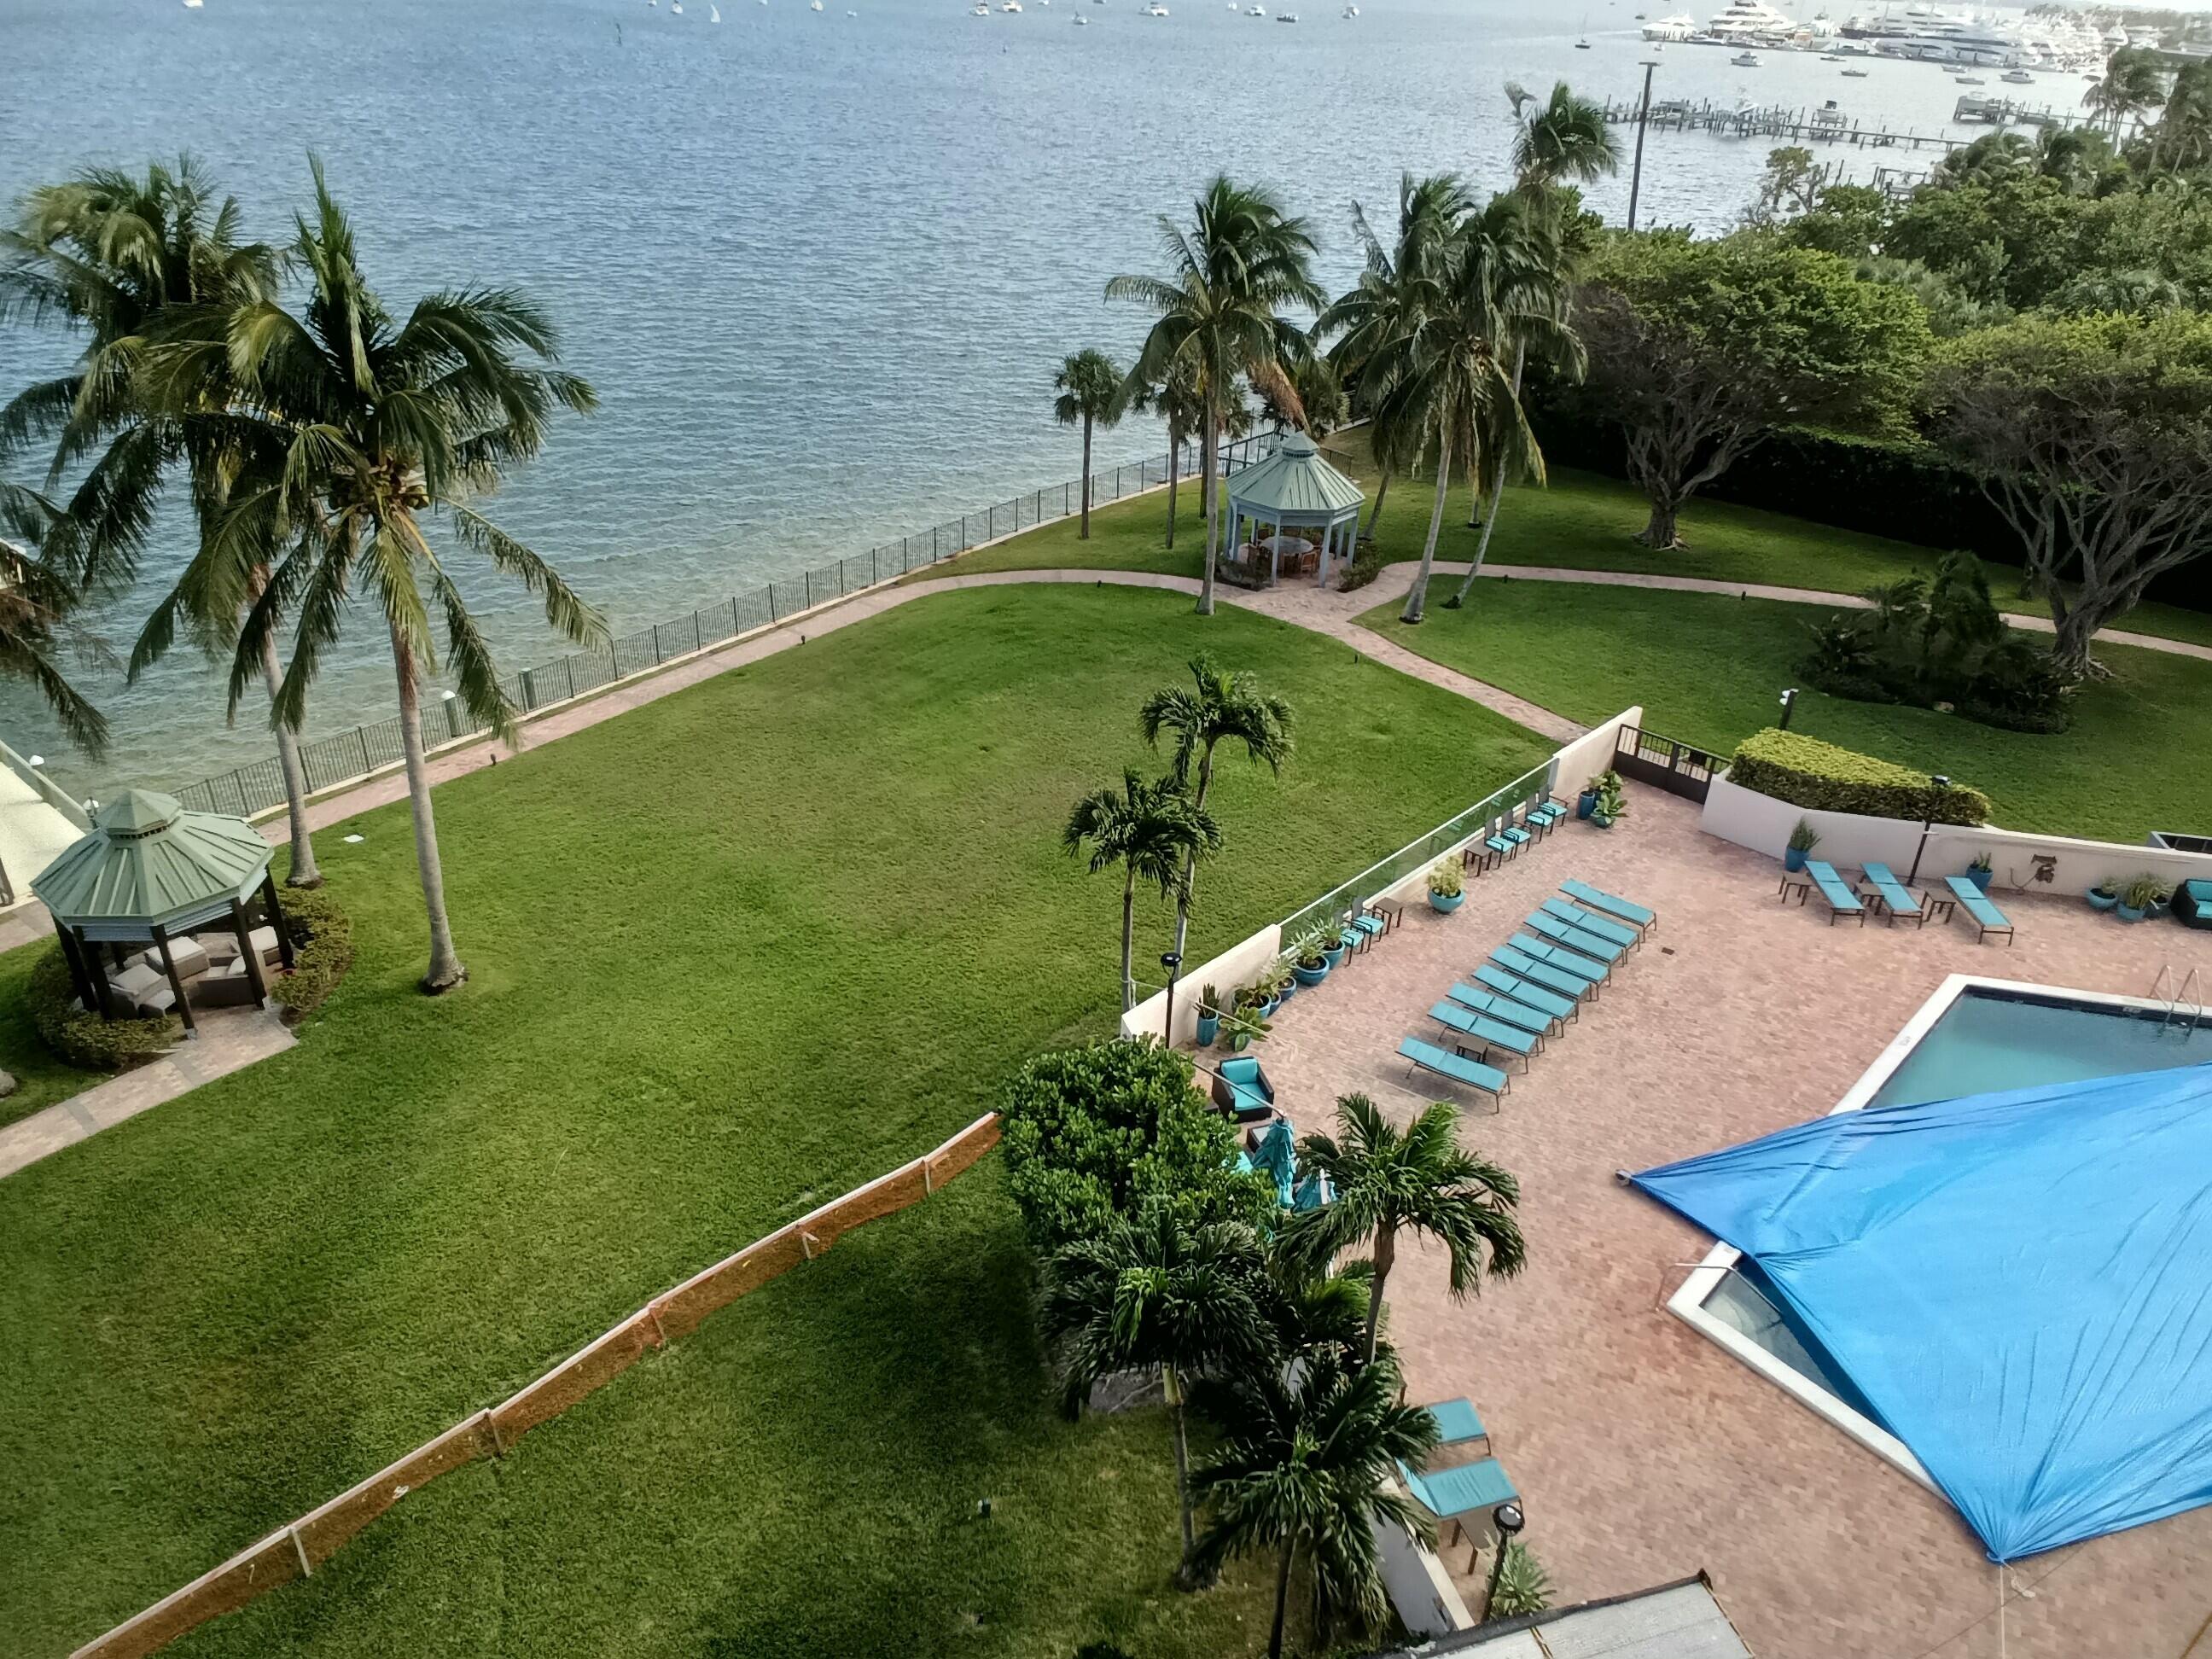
column 1989, row 1041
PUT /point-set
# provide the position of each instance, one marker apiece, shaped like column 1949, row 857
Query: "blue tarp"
column 2021, row 1283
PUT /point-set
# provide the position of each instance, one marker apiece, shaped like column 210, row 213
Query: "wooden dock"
column 1823, row 125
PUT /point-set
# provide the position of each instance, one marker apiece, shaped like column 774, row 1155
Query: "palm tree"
column 1307, row 1469
column 1445, row 373
column 1398, row 279
column 1220, row 706
column 1229, row 276
column 383, row 427
column 1562, row 141
column 1154, row 1295
column 35, row 600
column 2134, row 84
column 128, row 261
column 1155, row 833
column 1179, row 402
column 2183, row 140
column 1091, row 393
column 1418, row 1179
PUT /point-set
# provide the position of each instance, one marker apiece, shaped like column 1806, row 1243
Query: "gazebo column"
column 276, row 913
column 104, row 998
column 74, row 957
column 1275, row 556
column 242, row 925
column 176, row 980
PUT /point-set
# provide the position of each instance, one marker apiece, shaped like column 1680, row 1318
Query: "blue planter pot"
column 1285, row 993
column 2128, row 912
column 2102, row 901
column 1793, row 858
column 1209, row 1028
column 1335, row 957
column 1585, row 802
column 1601, row 820
column 1446, row 902
column 1981, row 878
column 1309, row 977
column 1267, row 1008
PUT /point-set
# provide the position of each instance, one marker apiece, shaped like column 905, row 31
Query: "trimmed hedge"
column 1806, row 772
column 322, row 951
column 82, row 1038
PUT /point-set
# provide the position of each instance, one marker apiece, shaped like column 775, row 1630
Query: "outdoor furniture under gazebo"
column 147, row 874
column 1293, row 489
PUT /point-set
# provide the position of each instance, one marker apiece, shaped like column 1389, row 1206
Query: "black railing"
column 1680, row 769
column 328, row 762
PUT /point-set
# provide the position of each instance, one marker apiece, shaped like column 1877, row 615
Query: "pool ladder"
column 2179, row 1010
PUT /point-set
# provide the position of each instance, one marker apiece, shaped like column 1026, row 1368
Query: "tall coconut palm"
column 386, row 429
column 1416, row 1180
column 1091, row 395
column 1398, row 278
column 127, row 261
column 1179, row 401
column 1155, row 833
column 1220, row 706
column 1561, row 142
column 1307, row 1470
column 1154, row 1295
column 1447, row 373
column 1229, row 277
column 2134, row 84
column 35, row 601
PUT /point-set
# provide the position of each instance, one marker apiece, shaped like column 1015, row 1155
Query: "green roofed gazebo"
column 147, row 873
column 1293, row 489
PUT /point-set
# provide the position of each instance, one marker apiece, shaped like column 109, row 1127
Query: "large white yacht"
column 1681, row 27
column 1749, row 20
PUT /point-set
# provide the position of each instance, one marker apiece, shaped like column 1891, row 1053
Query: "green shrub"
column 1524, row 1586
column 1806, row 772
column 1092, row 1132
column 83, row 1038
column 1367, row 562
column 322, row 951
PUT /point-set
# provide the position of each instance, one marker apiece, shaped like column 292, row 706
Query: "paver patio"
column 1643, row 1452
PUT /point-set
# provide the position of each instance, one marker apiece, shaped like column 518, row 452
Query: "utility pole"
column 1642, row 118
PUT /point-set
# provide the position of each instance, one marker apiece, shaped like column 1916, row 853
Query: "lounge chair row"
column 1453, row 1493
column 1892, row 898
column 1517, row 827
column 1529, row 988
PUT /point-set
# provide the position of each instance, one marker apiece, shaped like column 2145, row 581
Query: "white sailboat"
column 675, row 8
column 194, row 5
column 713, row 14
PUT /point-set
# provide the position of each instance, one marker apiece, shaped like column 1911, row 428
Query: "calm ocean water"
column 820, row 266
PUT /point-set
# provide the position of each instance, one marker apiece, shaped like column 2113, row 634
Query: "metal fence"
column 329, row 761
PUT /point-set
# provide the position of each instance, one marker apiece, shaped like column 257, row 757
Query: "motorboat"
column 2018, row 77
column 1855, row 75
column 1286, row 17
column 1255, row 11
column 1745, row 60
column 1156, row 10
column 1011, row 5
column 983, row 8
column 1970, row 80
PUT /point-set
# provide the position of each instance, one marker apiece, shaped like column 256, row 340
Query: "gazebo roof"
column 146, row 860
column 1295, row 482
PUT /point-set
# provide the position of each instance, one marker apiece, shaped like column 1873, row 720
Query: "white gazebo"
column 1294, row 490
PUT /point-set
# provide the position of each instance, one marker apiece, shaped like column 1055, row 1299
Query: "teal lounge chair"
column 1574, row 939
column 1495, row 978
column 1454, row 1494
column 1986, row 917
column 1427, row 1057
column 1480, row 1028
column 1537, row 971
column 1554, row 956
column 1613, row 932
column 1620, row 909
column 1458, row 1424
column 1841, row 899
column 1502, row 1009
column 1895, row 898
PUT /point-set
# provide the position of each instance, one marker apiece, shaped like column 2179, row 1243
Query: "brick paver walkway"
column 1644, row 1453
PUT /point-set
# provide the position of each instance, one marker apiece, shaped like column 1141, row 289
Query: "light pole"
column 1788, row 706
column 1937, row 785
column 1171, row 962
column 1642, row 118
column 1509, row 1521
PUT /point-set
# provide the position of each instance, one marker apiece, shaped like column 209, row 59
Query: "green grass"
column 730, row 954
column 1708, row 671
column 1581, row 521
column 40, row 1078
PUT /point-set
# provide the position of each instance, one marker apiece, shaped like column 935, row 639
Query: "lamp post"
column 1171, row 962
column 1642, row 118
column 1509, row 1521
column 1789, row 706
column 1937, row 785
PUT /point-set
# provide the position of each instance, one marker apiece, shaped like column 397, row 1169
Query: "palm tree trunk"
column 1129, row 941
column 1282, row 1597
column 304, row 872
column 1171, row 1386
column 1190, row 863
column 1175, row 464
column 446, row 970
column 1083, row 535
column 1209, row 471
column 1382, row 490
column 1497, row 498
column 1386, row 1254
column 1415, row 598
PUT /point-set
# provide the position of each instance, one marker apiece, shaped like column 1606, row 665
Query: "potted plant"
column 2142, row 894
column 1336, row 942
column 1802, row 840
column 1281, row 983
column 2106, row 894
column 1209, row 1016
column 1611, row 806
column 1980, row 870
column 1243, row 1027
column 1309, row 965
column 1586, row 803
column 1447, row 885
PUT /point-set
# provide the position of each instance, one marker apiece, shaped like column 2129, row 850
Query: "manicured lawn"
column 1708, row 669
column 1580, row 521
column 730, row 955
column 40, row 1078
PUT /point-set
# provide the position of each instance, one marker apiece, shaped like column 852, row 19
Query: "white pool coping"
column 1688, row 1303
